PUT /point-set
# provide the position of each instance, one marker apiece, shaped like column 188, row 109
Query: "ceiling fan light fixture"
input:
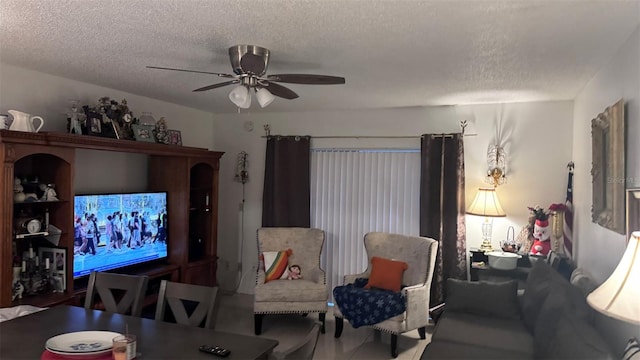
column 249, row 63
column 264, row 96
column 240, row 96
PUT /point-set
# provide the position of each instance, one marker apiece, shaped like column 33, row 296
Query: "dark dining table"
column 25, row 337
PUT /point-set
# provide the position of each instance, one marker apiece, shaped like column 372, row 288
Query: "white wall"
column 49, row 96
column 537, row 138
column 620, row 79
column 599, row 249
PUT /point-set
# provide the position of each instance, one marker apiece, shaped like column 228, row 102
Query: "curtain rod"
column 463, row 125
column 370, row 137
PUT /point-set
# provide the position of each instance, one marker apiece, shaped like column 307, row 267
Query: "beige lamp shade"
column 619, row 296
column 486, row 204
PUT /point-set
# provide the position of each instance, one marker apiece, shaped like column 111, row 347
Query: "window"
column 358, row 191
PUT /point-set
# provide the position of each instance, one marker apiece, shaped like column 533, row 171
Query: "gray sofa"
column 487, row 320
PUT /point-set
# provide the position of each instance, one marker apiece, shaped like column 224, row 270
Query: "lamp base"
column 486, row 246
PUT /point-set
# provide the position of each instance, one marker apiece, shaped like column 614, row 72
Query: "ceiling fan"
column 249, row 63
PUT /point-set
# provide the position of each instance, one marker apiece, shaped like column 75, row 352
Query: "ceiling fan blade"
column 309, row 79
column 192, row 71
column 280, row 91
column 215, row 86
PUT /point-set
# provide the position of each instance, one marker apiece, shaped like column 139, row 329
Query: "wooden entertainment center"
column 188, row 175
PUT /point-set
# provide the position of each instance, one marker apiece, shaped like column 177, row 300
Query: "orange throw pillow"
column 386, row 274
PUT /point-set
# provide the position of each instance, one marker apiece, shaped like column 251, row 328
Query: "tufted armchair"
column 420, row 254
column 302, row 296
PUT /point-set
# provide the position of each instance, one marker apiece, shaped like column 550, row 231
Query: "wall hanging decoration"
column 608, row 168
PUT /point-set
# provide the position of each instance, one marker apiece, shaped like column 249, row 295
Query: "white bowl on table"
column 501, row 260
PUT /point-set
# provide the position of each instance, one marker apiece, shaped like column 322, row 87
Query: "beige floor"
column 235, row 314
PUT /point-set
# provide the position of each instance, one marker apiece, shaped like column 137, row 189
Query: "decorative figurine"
column 49, row 194
column 76, row 120
column 162, row 136
column 18, row 191
column 17, row 288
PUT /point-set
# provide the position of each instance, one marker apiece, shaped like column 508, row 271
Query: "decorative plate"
column 82, row 342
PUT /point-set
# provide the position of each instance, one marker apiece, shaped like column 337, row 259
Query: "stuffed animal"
column 294, row 272
column 541, row 233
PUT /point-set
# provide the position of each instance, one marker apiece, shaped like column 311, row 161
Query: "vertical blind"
column 354, row 192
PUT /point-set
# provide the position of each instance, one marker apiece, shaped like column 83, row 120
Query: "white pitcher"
column 4, row 122
column 24, row 122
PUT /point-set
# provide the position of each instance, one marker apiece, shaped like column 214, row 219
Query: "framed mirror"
column 608, row 168
column 633, row 211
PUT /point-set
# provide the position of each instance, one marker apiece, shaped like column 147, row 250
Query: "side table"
column 481, row 271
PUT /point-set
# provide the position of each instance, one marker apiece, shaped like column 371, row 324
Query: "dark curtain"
column 287, row 188
column 442, row 207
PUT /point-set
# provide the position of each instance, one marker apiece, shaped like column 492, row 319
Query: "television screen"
column 117, row 230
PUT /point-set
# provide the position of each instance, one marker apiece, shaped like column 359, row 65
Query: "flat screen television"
column 113, row 231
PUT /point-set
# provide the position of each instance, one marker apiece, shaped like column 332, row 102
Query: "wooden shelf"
column 52, row 157
column 99, row 143
column 42, row 203
column 24, row 236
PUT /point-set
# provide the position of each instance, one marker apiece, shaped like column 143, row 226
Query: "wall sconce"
column 496, row 160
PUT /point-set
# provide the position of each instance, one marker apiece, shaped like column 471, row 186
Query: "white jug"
column 24, row 122
column 4, row 122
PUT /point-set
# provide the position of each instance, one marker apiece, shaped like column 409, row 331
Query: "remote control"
column 215, row 350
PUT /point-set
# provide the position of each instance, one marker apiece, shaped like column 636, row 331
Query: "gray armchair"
column 303, row 296
column 420, row 254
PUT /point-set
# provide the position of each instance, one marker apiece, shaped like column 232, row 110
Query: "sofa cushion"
column 287, row 290
column 498, row 299
column 386, row 274
column 535, row 292
column 555, row 304
column 541, row 282
column 576, row 339
column 456, row 350
column 483, row 331
column 583, row 281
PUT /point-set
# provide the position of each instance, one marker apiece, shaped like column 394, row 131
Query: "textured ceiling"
column 392, row 53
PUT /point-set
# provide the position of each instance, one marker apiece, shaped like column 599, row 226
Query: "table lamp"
column 486, row 204
column 618, row 297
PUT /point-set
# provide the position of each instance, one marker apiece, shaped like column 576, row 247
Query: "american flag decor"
column 568, row 214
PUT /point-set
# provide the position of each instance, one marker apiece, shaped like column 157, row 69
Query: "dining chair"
column 302, row 350
column 179, row 298
column 118, row 293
